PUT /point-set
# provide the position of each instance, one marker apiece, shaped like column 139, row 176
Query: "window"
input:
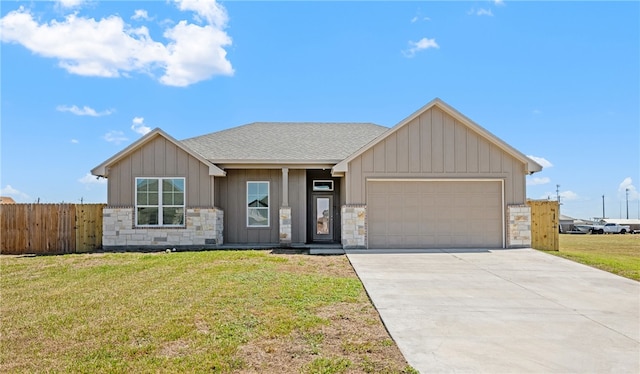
column 323, row 185
column 160, row 202
column 257, row 204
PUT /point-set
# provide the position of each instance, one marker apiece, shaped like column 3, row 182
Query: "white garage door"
column 434, row 214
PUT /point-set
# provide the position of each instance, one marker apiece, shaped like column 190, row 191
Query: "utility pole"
column 626, row 191
column 603, row 216
column 558, row 193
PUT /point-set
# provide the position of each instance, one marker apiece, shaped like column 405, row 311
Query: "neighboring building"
column 6, row 200
column 435, row 180
column 566, row 223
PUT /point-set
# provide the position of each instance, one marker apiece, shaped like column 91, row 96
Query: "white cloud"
column 139, row 126
column 535, row 181
column 212, row 12
column 75, row 141
column 542, row 161
column 196, row 54
column 480, row 12
column 627, row 184
column 419, row 17
column 498, row 2
column 564, row 196
column 17, row 195
column 115, row 137
column 84, row 111
column 70, row 3
column 140, row 14
column 92, row 179
column 111, row 48
column 420, row 45
column 568, row 196
column 536, row 111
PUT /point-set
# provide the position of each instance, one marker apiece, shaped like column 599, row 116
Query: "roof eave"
column 532, row 166
column 275, row 164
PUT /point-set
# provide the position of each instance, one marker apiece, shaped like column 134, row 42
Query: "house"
column 566, row 223
column 435, row 180
column 6, row 200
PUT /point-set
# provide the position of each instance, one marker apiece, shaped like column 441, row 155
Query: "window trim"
column 160, row 205
column 248, row 208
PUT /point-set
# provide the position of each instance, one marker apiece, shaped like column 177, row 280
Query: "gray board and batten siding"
column 436, row 145
column 232, row 199
column 160, row 157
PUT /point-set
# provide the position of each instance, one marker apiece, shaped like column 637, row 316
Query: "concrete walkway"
column 503, row 311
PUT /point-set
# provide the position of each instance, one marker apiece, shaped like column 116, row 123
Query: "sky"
column 559, row 81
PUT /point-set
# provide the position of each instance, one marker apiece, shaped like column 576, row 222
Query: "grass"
column 618, row 254
column 218, row 311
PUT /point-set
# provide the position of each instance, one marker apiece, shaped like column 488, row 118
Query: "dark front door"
column 323, row 214
column 323, row 207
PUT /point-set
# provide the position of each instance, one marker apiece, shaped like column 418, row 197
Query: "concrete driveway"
column 503, row 311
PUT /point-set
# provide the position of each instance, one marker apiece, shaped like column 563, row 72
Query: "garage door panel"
column 411, row 200
column 428, row 214
column 377, row 188
column 411, row 215
column 411, row 241
column 411, row 227
column 396, row 199
column 377, row 227
column 381, row 240
column 460, row 211
column 395, row 241
column 394, row 228
column 444, row 241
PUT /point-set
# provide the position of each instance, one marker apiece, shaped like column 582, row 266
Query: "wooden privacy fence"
column 50, row 228
column 545, row 233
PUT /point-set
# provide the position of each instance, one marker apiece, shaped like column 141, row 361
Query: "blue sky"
column 560, row 81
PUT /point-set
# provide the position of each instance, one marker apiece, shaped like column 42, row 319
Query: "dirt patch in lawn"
column 353, row 335
column 333, row 266
column 353, row 338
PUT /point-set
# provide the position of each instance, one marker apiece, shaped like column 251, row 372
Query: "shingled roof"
column 285, row 142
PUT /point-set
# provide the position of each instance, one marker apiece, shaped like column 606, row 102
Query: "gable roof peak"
column 102, row 170
column 532, row 166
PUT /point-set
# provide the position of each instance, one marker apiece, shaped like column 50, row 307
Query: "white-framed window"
column 257, row 204
column 160, row 202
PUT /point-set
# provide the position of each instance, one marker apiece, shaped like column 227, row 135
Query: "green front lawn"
column 238, row 311
column 618, row 254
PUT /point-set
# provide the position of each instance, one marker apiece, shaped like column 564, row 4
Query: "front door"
column 323, row 217
column 323, row 207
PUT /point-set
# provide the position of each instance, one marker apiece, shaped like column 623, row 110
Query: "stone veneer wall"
column 354, row 229
column 285, row 226
column 519, row 226
column 204, row 229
